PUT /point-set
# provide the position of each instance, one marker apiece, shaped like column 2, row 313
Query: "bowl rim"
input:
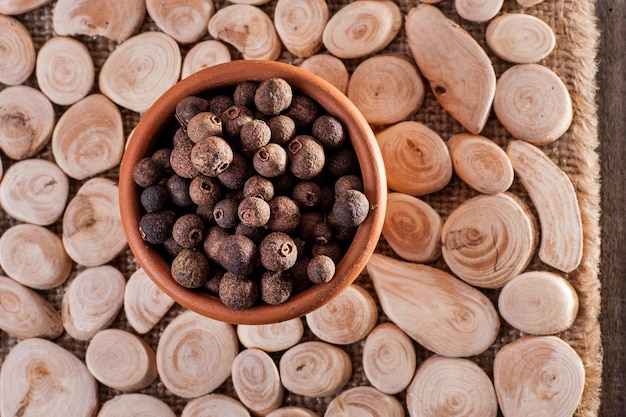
column 335, row 103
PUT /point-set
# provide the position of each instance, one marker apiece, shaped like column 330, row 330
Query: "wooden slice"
column 478, row 10
column 34, row 256
column 257, row 382
column 412, row 228
column 489, row 240
column 144, row 303
column 330, row 68
column 292, row 412
column 455, row 319
column 203, row 55
column 15, row 7
column 184, row 20
column 366, row 401
column 213, row 405
column 135, row 405
column 272, row 337
column 533, row 104
column 300, row 25
column 520, row 38
column 17, row 56
column 34, row 191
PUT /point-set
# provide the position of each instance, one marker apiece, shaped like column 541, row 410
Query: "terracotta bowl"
column 160, row 118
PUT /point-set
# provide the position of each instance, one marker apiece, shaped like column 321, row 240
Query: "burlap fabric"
column 573, row 60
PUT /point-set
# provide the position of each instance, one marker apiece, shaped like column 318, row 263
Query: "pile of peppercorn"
column 256, row 196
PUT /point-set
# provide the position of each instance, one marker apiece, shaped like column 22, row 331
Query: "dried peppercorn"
column 329, row 131
column 320, row 269
column 306, row 157
column 180, row 136
column 225, row 213
column 190, row 268
column 180, row 159
column 275, row 287
column 282, row 129
column 233, row 118
column 351, row 208
column 258, row 186
column 270, row 160
column 212, row 283
column 237, row 291
column 238, row 254
column 253, row 212
column 206, row 212
column 204, row 190
column 171, row 247
column 188, row 107
column 273, row 96
column 218, row 104
column 307, row 194
column 284, row 183
column 331, row 249
column 307, row 224
column 188, row 230
column 156, row 227
column 178, row 190
column 278, row 251
column 254, row 134
column 235, row 176
column 348, row 182
column 162, row 157
column 303, row 110
column 244, row 93
column 147, row 172
column 342, row 162
column 299, row 278
column 214, row 238
column 285, row 214
column 202, row 125
column 323, row 233
column 211, row 156
column 154, row 198
column 255, row 234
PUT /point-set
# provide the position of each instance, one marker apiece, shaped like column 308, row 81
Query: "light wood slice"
column 252, row 2
column 34, row 191
column 92, row 227
column 315, row 369
column 386, row 89
column 480, row 163
column 65, row 70
column 538, row 375
column 520, row 38
column 92, row 301
column 457, row 68
column 292, row 412
column 89, row 137
column 15, row 7
column 346, row 319
column 478, row 10
column 116, row 20
column 145, row 304
column 213, row 405
column 539, row 302
column 272, row 337
column 300, row 25
column 121, row 360
column 27, row 118
column 456, row 320
column 25, row 314
column 249, row 29
column 555, row 200
column 452, row 387
column 533, row 104
column 364, row 401
column 203, row 55
column 184, row 20
column 17, row 55
column 330, row 68
column 417, row 160
column 361, row 28
column 257, row 382
column 34, row 256
column 389, row 359
column 40, row 378
column 140, row 70
column 488, row 240
column 191, row 345
column 135, row 405
column 528, row 3
column 412, row 228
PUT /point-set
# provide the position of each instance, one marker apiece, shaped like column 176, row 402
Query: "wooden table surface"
column 612, row 130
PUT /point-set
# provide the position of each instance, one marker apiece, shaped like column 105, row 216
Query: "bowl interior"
column 159, row 119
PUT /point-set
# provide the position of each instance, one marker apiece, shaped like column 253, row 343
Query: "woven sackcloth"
column 575, row 152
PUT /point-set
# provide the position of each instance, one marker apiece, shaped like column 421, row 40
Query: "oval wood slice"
column 478, row 10
column 353, row 402
column 135, row 405
column 272, row 337
column 17, row 56
column 214, row 405
column 330, row 68
column 184, row 20
column 257, row 382
column 292, row 412
column 145, row 304
column 15, row 7
column 300, row 25
column 203, row 55
column 520, row 38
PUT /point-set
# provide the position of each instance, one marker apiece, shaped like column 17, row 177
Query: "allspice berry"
column 178, row 190
column 307, row 224
column 188, row 107
column 202, row 125
column 282, row 129
column 270, row 160
column 162, row 157
column 190, row 268
column 351, row 208
column 258, row 186
column 188, row 230
column 238, row 254
column 218, row 104
column 348, row 182
column 212, row 283
column 253, row 212
column 204, row 190
column 255, row 234
column 306, row 157
column 323, row 233
column 237, row 291
column 320, row 269
column 278, row 251
column 156, row 227
column 254, row 134
column 342, row 162
column 154, row 198
column 233, row 118
column 147, row 172
column 225, row 213
column 307, row 194
column 180, row 159
column 285, row 214
column 331, row 249
column 214, row 238
column 273, row 96
column 235, row 176
column 244, row 93
column 329, row 131
column 211, row 156
column 303, row 110
column 275, row 287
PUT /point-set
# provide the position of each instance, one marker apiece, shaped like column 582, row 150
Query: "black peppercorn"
column 180, row 159
column 282, row 129
column 178, row 190
column 329, row 131
column 258, row 186
column 285, row 214
column 306, row 157
column 211, row 156
column 162, row 157
column 188, row 230
column 156, row 227
column 206, row 212
column 273, row 96
column 351, row 208
column 225, row 213
column 154, row 198
column 244, row 93
column 235, row 176
column 254, row 134
column 202, row 125
column 190, row 268
column 270, row 160
column 188, row 107
column 348, row 182
column 303, row 110
column 278, row 251
column 147, row 172
column 275, row 287
column 205, row 190
column 307, row 194
column 233, row 118
column 253, row 211
column 320, row 269
column 218, row 104
column 238, row 292
column 238, row 254
column 214, row 238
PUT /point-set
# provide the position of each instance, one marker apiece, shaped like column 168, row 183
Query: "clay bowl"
column 160, row 118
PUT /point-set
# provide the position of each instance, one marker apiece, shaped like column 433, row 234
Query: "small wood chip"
column 214, row 405
column 539, row 302
column 272, row 337
column 184, row 20
column 480, row 163
column 92, row 228
column 346, row 319
column 140, row 70
column 195, row 354
column 25, row 314
column 145, row 304
column 252, row 2
column 520, row 38
column 457, row 68
column 451, row 387
column 203, row 55
column 538, row 375
column 249, row 29
column 15, row 7
column 121, row 360
column 34, row 256
column 92, row 301
column 27, row 118
column 528, row 3
column 118, row 21
column 292, row 412
column 300, row 25
column 315, row 369
column 361, row 28
column 478, row 10
column 17, row 55
column 533, row 104
column 89, row 137
column 40, row 378
column 65, row 70
column 135, row 405
column 555, row 200
column 330, row 68
column 257, row 382
column 389, row 359
column 366, row 401
column 455, row 319
column 417, row 160
column 34, row 191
